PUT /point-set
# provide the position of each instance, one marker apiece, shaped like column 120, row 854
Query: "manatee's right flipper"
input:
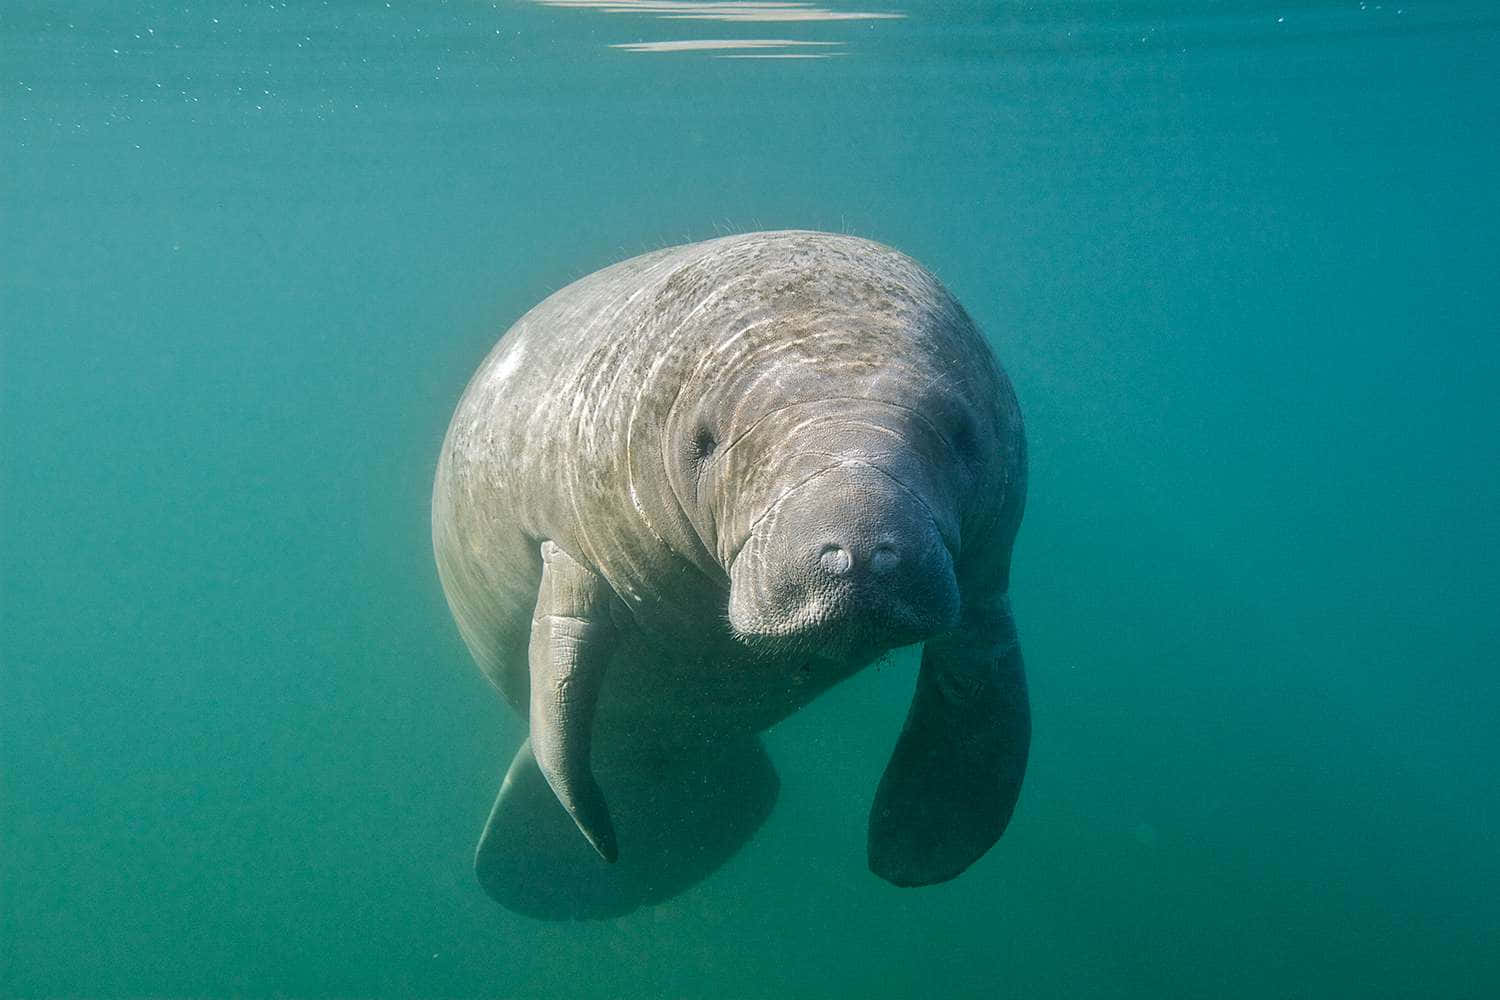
column 678, row 817
column 952, row 783
column 572, row 637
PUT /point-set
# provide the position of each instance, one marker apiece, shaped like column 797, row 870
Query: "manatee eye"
column 704, row 445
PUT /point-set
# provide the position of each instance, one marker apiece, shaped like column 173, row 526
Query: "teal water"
column 1240, row 260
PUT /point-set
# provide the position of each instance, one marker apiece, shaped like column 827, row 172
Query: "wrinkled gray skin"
column 688, row 493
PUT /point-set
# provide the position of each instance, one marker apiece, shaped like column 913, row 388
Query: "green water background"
column 1239, row 259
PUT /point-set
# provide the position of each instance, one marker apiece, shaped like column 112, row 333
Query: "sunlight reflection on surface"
column 720, row 44
column 728, row 12
column 686, row 10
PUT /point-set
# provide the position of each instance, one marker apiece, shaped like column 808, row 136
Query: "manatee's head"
column 836, row 452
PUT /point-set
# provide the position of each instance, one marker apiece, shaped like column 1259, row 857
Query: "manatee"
column 688, row 493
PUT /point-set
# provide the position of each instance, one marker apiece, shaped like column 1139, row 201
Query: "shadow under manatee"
column 676, row 823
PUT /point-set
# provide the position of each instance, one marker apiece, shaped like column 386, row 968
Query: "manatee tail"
column 677, row 821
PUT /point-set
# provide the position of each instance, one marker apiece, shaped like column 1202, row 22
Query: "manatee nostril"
column 835, row 560
column 884, row 559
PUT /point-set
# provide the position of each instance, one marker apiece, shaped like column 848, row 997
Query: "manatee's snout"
column 850, row 556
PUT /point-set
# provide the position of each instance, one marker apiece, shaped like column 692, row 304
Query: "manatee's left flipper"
column 572, row 637
column 953, row 781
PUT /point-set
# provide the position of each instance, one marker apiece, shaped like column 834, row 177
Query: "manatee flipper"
column 572, row 638
column 953, row 781
column 680, row 816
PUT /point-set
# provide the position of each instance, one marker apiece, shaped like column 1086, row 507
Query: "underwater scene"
column 977, row 499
